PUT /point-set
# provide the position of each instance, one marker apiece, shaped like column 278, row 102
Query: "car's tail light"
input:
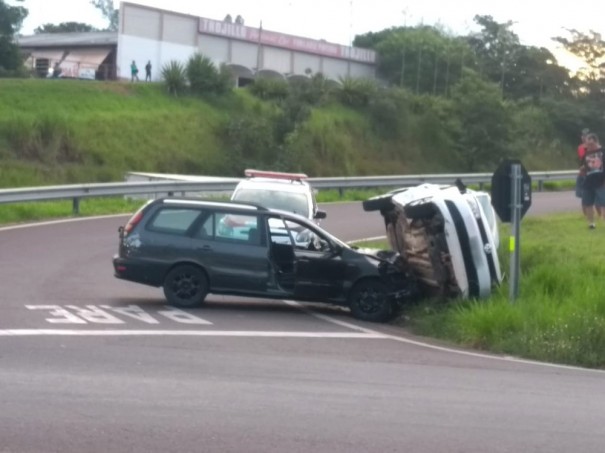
column 134, row 220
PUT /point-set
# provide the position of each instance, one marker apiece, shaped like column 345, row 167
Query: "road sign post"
column 511, row 198
column 515, row 237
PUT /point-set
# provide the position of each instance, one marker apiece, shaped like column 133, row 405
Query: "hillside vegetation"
column 68, row 131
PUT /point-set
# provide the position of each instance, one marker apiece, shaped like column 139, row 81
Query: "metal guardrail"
column 76, row 192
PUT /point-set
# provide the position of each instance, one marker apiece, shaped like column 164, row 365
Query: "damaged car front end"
column 445, row 237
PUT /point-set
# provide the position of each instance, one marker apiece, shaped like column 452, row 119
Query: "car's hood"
column 378, row 254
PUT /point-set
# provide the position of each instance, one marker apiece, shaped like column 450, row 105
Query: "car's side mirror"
column 320, row 215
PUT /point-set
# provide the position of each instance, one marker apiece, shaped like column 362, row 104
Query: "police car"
column 277, row 190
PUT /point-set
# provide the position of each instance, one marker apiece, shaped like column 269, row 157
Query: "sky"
column 339, row 21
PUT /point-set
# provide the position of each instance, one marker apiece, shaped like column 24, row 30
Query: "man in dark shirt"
column 593, row 188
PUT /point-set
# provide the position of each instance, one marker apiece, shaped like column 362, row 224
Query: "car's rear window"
column 173, row 220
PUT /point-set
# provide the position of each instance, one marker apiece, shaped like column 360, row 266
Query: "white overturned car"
column 448, row 236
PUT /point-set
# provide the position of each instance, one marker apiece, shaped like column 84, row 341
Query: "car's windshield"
column 286, row 201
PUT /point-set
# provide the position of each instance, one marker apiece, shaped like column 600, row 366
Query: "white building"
column 160, row 36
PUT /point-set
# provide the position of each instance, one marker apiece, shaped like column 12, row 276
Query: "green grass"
column 36, row 211
column 559, row 315
column 67, row 131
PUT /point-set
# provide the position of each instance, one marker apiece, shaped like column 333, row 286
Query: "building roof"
column 93, row 38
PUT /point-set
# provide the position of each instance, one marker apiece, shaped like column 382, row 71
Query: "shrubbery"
column 175, row 78
column 199, row 77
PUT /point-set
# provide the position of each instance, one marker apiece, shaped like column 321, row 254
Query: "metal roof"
column 93, row 38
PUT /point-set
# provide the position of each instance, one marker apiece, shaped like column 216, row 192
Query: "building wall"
column 278, row 60
column 217, row 49
column 179, row 30
column 244, row 53
column 162, row 36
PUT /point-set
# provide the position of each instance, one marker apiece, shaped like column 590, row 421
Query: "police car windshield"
column 285, row 201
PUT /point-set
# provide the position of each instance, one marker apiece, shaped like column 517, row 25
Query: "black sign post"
column 511, row 198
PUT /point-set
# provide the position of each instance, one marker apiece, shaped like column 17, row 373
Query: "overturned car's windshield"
column 286, row 201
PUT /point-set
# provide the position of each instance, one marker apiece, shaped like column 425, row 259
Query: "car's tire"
column 185, row 286
column 379, row 203
column 369, row 301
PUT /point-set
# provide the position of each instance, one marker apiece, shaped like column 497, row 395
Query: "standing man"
column 593, row 188
column 148, row 71
column 581, row 152
column 134, row 72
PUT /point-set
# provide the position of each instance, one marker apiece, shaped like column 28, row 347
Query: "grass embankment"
column 70, row 131
column 62, row 131
column 559, row 315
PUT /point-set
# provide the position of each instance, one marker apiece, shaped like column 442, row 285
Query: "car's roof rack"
column 251, row 173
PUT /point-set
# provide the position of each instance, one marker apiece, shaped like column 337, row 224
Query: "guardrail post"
column 76, row 206
column 341, row 192
column 540, row 185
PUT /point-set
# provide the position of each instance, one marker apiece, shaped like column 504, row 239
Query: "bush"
column 175, row 78
column 270, row 89
column 356, row 92
column 204, row 78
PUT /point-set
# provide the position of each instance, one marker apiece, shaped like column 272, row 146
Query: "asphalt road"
column 89, row 363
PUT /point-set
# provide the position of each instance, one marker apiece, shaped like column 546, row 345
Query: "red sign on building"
column 275, row 39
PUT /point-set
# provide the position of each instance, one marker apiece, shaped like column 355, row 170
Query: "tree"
column 536, row 74
column 589, row 47
column 11, row 18
column 109, row 12
column 64, row 27
column 496, row 46
column 484, row 122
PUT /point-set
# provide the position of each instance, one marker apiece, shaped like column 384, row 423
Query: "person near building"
column 593, row 187
column 148, row 71
column 134, row 71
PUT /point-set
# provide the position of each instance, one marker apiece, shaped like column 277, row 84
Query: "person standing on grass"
column 134, row 72
column 581, row 152
column 593, row 187
column 148, row 71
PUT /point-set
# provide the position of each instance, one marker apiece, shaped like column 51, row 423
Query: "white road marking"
column 192, row 333
column 326, row 318
column 93, row 314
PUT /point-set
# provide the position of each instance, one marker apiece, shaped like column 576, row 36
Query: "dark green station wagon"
column 191, row 247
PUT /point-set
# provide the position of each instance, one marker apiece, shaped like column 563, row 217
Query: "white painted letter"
column 95, row 315
column 182, row 316
column 134, row 312
column 63, row 316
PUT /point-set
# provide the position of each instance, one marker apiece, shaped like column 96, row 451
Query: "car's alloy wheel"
column 369, row 301
column 186, row 286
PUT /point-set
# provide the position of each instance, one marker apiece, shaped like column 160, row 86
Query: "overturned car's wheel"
column 369, row 301
column 379, row 203
column 186, row 286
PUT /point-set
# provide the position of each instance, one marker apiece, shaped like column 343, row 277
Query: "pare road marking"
column 106, row 314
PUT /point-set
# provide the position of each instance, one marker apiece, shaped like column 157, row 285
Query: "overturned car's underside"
column 447, row 236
